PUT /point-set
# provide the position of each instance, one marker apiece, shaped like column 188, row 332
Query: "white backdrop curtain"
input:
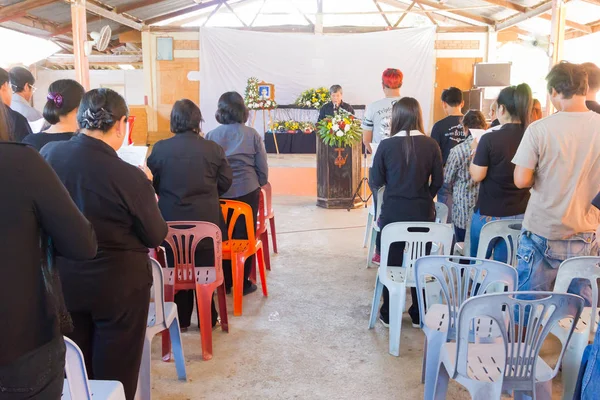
column 296, row 62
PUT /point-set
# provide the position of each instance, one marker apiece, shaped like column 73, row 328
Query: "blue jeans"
column 498, row 245
column 539, row 259
column 588, row 383
column 444, row 195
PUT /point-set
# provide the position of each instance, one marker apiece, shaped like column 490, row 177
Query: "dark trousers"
column 38, row 374
column 239, row 232
column 111, row 336
column 460, row 234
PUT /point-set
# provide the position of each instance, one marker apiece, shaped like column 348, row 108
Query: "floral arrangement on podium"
column 313, row 98
column 253, row 99
column 340, row 130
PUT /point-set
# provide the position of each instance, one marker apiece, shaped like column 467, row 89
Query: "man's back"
column 378, row 118
column 564, row 151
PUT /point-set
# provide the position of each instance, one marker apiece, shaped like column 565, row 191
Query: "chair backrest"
column 238, row 209
column 262, row 214
column 441, row 213
column 508, row 230
column 158, row 294
column 524, row 319
column 461, row 278
column 584, row 268
column 183, row 238
column 79, row 386
column 417, row 236
column 269, row 200
column 380, row 193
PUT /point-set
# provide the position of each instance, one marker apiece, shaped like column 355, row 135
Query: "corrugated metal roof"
column 159, row 9
column 59, row 12
column 24, row 29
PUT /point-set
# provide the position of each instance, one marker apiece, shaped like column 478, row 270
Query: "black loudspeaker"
column 473, row 100
column 489, row 75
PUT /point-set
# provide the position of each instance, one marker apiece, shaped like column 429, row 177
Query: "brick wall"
column 457, row 44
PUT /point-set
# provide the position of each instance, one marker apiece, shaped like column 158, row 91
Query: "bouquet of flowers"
column 307, row 127
column 340, row 130
column 253, row 99
column 313, row 98
column 287, row 126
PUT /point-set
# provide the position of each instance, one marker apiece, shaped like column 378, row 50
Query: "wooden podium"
column 338, row 175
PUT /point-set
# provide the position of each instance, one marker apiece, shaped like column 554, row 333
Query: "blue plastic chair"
column 161, row 316
column 78, row 387
column 416, row 236
column 513, row 365
column 458, row 282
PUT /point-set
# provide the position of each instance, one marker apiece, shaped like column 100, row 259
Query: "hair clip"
column 56, row 98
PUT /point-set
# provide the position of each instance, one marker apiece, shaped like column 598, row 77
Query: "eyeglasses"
column 33, row 88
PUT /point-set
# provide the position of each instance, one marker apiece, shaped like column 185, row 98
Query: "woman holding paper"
column 108, row 297
column 492, row 165
column 60, row 111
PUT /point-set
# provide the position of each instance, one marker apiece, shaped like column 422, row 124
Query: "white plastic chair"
column 441, row 213
column 374, row 226
column 416, row 236
column 587, row 268
column 508, row 230
column 161, row 316
column 369, row 228
column 78, row 387
column 513, row 365
column 458, row 282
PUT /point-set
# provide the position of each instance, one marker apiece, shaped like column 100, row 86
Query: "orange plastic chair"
column 261, row 230
column 183, row 238
column 238, row 250
column 270, row 214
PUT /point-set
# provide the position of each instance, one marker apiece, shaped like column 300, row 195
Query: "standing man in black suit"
column 18, row 127
column 335, row 104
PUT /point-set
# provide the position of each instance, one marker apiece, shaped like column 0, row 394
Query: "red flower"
column 342, row 125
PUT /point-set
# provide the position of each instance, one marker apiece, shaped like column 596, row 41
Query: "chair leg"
column 178, row 350
column 273, row 234
column 264, row 238
column 433, row 348
column 262, row 270
column 397, row 300
column 237, row 267
column 543, row 390
column 205, row 321
column 367, row 230
column 441, row 383
column 376, row 302
column 252, row 276
column 144, row 386
column 223, row 307
column 372, row 245
column 166, row 339
column 572, row 362
column 423, row 363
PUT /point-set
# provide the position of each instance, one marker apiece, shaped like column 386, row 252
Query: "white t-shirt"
column 564, row 151
column 378, row 118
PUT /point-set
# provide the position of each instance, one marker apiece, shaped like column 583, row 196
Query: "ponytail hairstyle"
column 63, row 97
column 407, row 116
column 101, row 109
column 518, row 102
column 474, row 119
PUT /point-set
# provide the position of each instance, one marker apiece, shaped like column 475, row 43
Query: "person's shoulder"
column 22, row 150
column 428, row 140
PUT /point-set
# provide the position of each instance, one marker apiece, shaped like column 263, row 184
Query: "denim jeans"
column 444, row 195
column 588, row 382
column 539, row 259
column 498, row 245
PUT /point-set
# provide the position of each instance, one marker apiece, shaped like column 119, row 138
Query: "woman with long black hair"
column 38, row 217
column 409, row 165
column 108, row 297
column 492, row 165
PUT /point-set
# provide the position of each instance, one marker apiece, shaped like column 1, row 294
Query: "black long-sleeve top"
column 329, row 109
column 33, row 201
column 409, row 186
column 190, row 174
column 18, row 125
column 120, row 202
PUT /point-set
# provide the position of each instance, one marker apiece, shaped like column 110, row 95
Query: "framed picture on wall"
column 266, row 91
column 164, row 48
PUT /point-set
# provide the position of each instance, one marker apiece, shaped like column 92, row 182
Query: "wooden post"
column 557, row 40
column 79, row 23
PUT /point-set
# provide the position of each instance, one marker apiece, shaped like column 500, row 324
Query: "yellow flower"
column 314, row 99
column 329, row 125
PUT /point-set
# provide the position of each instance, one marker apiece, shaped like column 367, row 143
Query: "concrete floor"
column 309, row 338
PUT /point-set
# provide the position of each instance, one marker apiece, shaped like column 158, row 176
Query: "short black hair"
column 185, row 117
column 452, row 96
column 567, row 79
column 101, row 109
column 63, row 97
column 474, row 119
column 3, row 76
column 335, row 89
column 231, row 109
column 593, row 73
column 20, row 77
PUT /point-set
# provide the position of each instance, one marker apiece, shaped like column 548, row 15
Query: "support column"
column 491, row 45
column 150, row 82
column 79, row 22
column 557, row 39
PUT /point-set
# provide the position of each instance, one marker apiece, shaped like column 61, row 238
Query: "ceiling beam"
column 385, row 18
column 534, row 12
column 594, row 26
column 183, row 11
column 233, row 12
column 16, row 10
column 37, row 23
column 135, row 5
column 441, row 7
column 121, row 19
column 405, row 14
column 461, row 29
column 217, row 8
column 433, row 21
column 69, row 59
column 437, row 17
column 509, row 5
column 570, row 24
